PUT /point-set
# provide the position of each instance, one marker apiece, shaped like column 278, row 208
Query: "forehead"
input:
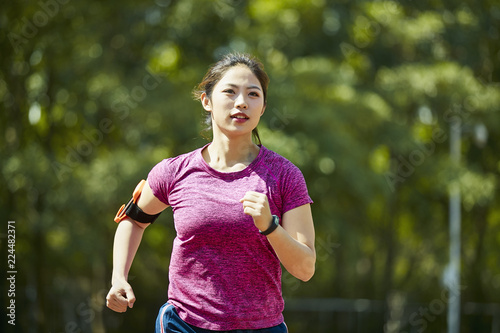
column 240, row 75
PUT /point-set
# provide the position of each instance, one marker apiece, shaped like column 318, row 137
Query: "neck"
column 234, row 154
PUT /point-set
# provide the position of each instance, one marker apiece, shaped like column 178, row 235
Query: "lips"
column 239, row 115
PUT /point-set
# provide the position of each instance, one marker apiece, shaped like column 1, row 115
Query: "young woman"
column 239, row 211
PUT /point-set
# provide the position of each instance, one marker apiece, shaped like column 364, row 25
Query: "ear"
column 263, row 109
column 205, row 102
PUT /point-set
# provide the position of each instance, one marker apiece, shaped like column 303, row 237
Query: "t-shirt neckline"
column 231, row 174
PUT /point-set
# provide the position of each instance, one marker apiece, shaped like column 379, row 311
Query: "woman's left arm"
column 293, row 240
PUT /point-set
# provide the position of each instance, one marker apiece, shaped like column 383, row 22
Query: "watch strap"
column 275, row 222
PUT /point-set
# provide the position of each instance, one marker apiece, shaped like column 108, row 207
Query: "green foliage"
column 362, row 97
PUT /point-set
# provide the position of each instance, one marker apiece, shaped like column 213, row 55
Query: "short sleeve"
column 159, row 180
column 293, row 188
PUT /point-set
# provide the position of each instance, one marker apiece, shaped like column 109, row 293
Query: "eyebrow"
column 248, row 87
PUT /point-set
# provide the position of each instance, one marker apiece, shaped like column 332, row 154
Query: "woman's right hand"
column 120, row 297
column 127, row 239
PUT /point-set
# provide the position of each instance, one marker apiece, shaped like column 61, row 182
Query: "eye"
column 228, row 91
column 254, row 94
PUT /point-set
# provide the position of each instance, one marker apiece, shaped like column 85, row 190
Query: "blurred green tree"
column 362, row 96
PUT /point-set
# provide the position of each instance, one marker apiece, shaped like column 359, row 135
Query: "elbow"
column 307, row 275
column 306, row 270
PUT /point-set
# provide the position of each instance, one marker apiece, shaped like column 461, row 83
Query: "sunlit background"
column 390, row 109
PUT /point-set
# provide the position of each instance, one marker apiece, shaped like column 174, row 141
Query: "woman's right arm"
column 127, row 239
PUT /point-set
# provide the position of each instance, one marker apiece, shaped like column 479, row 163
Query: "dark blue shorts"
column 168, row 321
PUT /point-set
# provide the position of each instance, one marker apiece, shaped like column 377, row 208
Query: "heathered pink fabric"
column 223, row 274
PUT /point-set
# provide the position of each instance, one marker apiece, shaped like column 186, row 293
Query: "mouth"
column 239, row 116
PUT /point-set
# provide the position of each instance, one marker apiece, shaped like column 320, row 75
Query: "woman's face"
column 237, row 102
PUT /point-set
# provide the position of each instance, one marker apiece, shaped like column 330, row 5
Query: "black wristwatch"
column 275, row 222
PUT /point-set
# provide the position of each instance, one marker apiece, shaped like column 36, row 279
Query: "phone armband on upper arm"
column 133, row 211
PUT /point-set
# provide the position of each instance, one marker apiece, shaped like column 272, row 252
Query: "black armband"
column 133, row 211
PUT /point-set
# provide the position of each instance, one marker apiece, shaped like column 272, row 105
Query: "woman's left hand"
column 256, row 205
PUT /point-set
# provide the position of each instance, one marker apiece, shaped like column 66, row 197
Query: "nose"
column 241, row 102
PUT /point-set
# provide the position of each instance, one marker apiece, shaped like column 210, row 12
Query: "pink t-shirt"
column 224, row 275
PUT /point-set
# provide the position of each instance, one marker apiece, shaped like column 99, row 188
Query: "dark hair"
column 217, row 71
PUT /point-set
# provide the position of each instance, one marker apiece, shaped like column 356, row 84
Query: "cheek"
column 259, row 108
column 222, row 103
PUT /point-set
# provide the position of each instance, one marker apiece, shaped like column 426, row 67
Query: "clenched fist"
column 120, row 297
column 256, row 205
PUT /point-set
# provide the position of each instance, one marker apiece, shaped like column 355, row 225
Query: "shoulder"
column 289, row 181
column 280, row 168
column 180, row 160
column 164, row 175
column 274, row 159
column 171, row 166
